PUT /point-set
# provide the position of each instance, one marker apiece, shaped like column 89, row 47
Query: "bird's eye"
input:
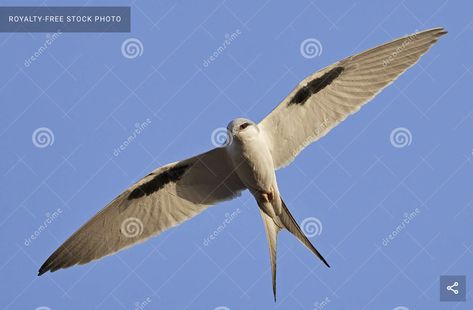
column 244, row 125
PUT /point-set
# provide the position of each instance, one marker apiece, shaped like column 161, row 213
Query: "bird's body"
column 252, row 159
column 253, row 163
column 176, row 192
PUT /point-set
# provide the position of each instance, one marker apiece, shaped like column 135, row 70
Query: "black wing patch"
column 173, row 174
column 315, row 86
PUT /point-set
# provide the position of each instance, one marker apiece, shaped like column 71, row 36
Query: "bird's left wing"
column 327, row 97
column 164, row 198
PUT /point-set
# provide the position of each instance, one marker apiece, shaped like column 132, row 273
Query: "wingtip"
column 44, row 268
column 441, row 31
column 437, row 31
column 325, row 262
column 42, row 271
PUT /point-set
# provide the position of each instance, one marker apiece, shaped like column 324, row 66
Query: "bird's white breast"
column 253, row 162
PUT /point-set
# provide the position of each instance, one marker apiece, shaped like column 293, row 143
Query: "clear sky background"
column 353, row 188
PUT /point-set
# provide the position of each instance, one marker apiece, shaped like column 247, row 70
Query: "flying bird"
column 179, row 191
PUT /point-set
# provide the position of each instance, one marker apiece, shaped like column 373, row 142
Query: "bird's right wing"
column 324, row 99
column 164, row 198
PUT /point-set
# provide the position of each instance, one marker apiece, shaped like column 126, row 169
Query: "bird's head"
column 242, row 128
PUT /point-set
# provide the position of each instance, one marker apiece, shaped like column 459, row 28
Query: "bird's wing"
column 327, row 97
column 164, row 198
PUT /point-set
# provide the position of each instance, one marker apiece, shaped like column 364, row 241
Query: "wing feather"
column 325, row 98
column 164, row 198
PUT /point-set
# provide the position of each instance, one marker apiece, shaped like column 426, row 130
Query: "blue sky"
column 67, row 118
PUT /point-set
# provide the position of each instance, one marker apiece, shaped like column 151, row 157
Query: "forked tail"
column 290, row 224
column 272, row 227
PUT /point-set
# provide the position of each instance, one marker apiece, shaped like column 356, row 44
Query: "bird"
column 178, row 191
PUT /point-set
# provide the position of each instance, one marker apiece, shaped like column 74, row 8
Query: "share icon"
column 451, row 288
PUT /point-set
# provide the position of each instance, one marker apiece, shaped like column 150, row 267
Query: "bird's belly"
column 254, row 165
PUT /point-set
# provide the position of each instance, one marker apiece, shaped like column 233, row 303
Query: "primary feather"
column 164, row 198
column 324, row 99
